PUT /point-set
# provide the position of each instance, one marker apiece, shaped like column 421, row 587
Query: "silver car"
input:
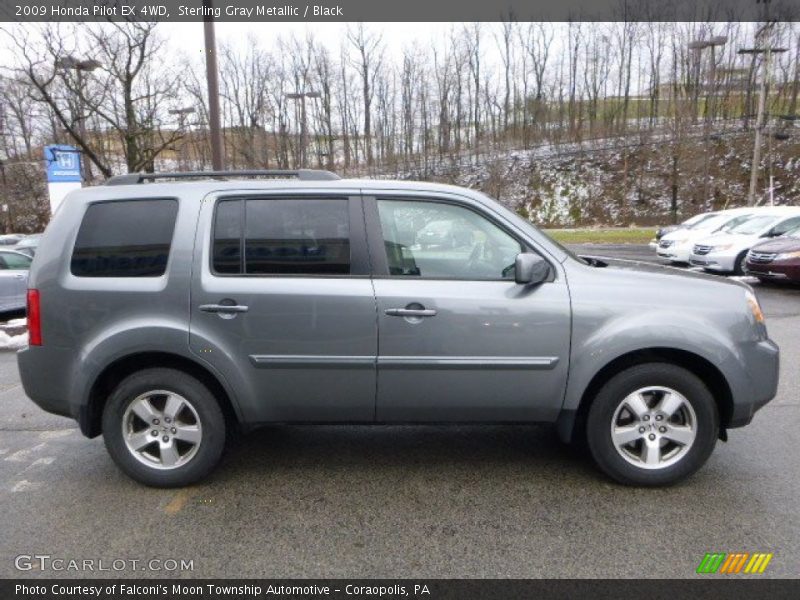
column 168, row 310
column 14, row 267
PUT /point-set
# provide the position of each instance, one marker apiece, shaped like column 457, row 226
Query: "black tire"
column 740, row 264
column 604, row 406
column 212, row 421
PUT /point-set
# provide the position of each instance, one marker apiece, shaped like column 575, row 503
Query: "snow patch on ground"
column 13, row 335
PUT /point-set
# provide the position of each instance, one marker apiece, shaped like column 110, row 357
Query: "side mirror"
column 530, row 269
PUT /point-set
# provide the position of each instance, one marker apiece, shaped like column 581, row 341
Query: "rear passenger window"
column 282, row 237
column 129, row 238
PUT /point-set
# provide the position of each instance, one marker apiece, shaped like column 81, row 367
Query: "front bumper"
column 762, row 364
column 714, row 262
column 775, row 271
column 679, row 253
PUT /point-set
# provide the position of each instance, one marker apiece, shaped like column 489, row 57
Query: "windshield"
column 713, row 223
column 795, row 233
column 753, row 225
column 698, row 220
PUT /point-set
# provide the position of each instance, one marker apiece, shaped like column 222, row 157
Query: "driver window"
column 444, row 241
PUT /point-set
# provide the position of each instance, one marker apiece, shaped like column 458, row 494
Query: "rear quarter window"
column 128, row 238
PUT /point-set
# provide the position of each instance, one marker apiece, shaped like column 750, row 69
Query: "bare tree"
column 128, row 92
column 368, row 61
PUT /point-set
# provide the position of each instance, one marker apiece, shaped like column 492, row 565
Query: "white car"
column 726, row 251
column 691, row 221
column 677, row 246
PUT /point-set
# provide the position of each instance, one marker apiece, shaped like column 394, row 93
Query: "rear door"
column 459, row 339
column 282, row 305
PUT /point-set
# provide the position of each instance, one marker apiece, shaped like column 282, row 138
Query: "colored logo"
column 63, row 163
column 736, row 562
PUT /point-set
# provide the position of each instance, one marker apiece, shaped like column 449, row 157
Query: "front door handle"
column 223, row 308
column 410, row 312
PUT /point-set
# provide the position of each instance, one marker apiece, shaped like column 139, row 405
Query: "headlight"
column 788, row 255
column 755, row 307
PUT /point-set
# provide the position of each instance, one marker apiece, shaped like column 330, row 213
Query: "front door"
column 282, row 305
column 459, row 340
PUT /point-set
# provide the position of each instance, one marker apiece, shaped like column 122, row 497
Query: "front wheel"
column 740, row 267
column 652, row 424
column 163, row 428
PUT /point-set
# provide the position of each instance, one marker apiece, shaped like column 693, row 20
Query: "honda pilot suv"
column 168, row 311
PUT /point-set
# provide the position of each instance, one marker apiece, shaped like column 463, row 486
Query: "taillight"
column 34, row 319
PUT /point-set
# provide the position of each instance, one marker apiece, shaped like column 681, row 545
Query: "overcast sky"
column 187, row 38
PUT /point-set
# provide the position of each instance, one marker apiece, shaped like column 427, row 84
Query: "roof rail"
column 301, row 174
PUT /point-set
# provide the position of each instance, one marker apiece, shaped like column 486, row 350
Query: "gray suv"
column 167, row 311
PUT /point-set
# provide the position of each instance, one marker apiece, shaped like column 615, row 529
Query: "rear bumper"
column 46, row 375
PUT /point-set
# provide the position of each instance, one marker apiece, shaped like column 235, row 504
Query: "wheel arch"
column 91, row 414
column 572, row 425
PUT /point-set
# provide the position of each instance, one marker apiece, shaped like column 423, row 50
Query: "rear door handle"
column 410, row 312
column 223, row 308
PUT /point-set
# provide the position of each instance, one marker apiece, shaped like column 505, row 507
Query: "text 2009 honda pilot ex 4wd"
column 163, row 313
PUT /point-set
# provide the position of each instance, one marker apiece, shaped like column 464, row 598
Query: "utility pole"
column 212, row 76
column 301, row 96
column 711, row 92
column 181, row 114
column 80, row 66
column 765, row 48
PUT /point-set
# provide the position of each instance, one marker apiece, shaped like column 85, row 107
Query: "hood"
column 658, row 272
column 662, row 231
column 686, row 235
column 726, row 238
column 778, row 244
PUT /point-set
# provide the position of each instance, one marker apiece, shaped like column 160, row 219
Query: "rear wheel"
column 163, row 428
column 652, row 424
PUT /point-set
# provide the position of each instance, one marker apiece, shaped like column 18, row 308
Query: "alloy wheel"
column 654, row 427
column 162, row 429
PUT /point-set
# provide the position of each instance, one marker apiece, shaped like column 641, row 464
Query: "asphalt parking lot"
column 407, row 501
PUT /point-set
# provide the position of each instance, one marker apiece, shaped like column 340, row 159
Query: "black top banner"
column 399, row 11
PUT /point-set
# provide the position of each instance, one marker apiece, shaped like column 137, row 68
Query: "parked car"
column 726, row 251
column 14, row 267
column 445, row 234
column 167, row 313
column 676, row 247
column 691, row 221
column 11, row 239
column 776, row 259
column 28, row 244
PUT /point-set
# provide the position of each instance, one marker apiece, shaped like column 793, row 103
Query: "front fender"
column 652, row 329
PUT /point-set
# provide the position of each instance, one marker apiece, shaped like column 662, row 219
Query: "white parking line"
column 26, row 486
column 22, row 455
column 55, row 433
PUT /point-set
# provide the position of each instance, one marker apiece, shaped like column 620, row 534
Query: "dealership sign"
column 63, row 165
